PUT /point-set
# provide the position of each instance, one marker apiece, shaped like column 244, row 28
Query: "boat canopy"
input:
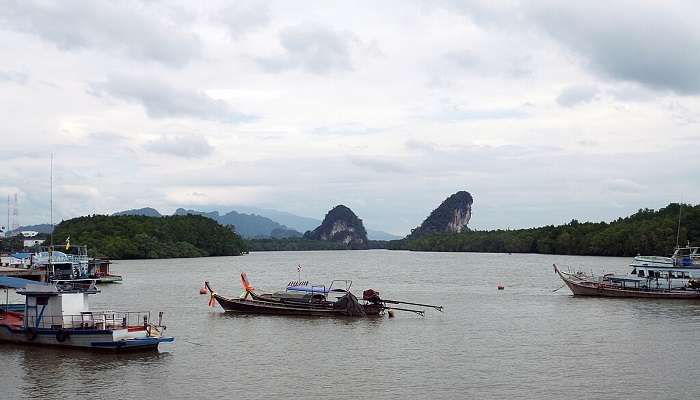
column 9, row 282
column 625, row 279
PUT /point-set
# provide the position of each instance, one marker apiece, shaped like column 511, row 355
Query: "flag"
column 68, row 243
column 299, row 268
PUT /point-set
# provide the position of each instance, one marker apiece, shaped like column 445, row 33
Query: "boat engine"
column 372, row 296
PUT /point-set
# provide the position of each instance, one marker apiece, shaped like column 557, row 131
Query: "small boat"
column 672, row 283
column 57, row 314
column 687, row 256
column 335, row 300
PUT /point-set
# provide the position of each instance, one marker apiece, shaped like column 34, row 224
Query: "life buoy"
column 62, row 335
column 31, row 334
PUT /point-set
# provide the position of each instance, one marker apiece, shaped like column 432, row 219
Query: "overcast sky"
column 543, row 111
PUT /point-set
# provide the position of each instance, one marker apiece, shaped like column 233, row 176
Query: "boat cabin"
column 686, row 256
column 53, row 307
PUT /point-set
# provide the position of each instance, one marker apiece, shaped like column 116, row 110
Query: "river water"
column 525, row 342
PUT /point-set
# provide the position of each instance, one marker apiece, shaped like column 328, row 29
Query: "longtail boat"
column 57, row 314
column 309, row 300
column 657, row 285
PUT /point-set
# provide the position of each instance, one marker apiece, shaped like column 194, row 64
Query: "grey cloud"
column 657, row 46
column 181, row 146
column 14, row 76
column 123, row 27
column 315, row 49
column 163, row 101
column 243, row 17
column 575, row 95
column 378, row 165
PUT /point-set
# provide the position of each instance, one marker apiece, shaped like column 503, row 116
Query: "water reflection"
column 46, row 372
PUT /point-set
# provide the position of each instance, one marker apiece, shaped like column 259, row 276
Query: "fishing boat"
column 670, row 282
column 300, row 298
column 58, row 314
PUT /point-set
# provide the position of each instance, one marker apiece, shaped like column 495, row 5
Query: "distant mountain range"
column 258, row 222
column 41, row 228
column 303, row 224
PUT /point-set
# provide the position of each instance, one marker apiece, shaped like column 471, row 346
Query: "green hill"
column 131, row 236
column 647, row 232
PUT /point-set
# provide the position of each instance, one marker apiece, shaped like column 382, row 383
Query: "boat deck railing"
column 90, row 320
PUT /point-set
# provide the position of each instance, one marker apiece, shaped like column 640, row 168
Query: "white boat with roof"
column 687, row 256
column 58, row 314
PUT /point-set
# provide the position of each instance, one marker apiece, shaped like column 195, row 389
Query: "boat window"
column 42, row 300
column 634, row 271
column 641, row 273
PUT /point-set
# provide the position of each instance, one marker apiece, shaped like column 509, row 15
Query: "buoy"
column 391, row 314
column 501, row 287
column 203, row 290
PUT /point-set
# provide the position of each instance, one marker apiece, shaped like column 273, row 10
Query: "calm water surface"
column 524, row 342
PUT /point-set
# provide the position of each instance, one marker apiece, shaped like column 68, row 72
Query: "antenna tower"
column 15, row 214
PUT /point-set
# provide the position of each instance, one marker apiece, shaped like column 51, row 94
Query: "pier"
column 39, row 275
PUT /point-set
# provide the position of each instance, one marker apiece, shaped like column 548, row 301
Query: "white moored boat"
column 59, row 315
column 688, row 257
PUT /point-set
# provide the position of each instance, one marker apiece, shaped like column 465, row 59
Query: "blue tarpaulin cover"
column 16, row 283
column 21, row 256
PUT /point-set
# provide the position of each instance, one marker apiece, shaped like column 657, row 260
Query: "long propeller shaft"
column 439, row 308
column 419, row 312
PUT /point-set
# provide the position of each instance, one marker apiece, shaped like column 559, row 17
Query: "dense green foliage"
column 294, row 244
column 440, row 218
column 355, row 230
column 646, row 232
column 126, row 237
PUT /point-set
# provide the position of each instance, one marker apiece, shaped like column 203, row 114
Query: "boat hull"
column 121, row 340
column 252, row 306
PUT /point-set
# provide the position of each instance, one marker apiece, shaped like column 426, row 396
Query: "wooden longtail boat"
column 313, row 300
column 622, row 286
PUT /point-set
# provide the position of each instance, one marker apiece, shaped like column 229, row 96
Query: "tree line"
column 647, row 232
column 133, row 236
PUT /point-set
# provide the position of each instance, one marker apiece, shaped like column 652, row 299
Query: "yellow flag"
column 68, row 243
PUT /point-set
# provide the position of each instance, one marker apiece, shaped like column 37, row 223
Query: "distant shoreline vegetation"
column 140, row 237
column 647, row 232
column 650, row 232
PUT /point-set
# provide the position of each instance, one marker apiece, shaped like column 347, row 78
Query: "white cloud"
column 192, row 146
column 119, row 27
column 311, row 48
column 243, row 17
column 161, row 100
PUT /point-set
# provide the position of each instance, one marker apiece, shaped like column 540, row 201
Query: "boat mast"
column 678, row 232
column 51, row 217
